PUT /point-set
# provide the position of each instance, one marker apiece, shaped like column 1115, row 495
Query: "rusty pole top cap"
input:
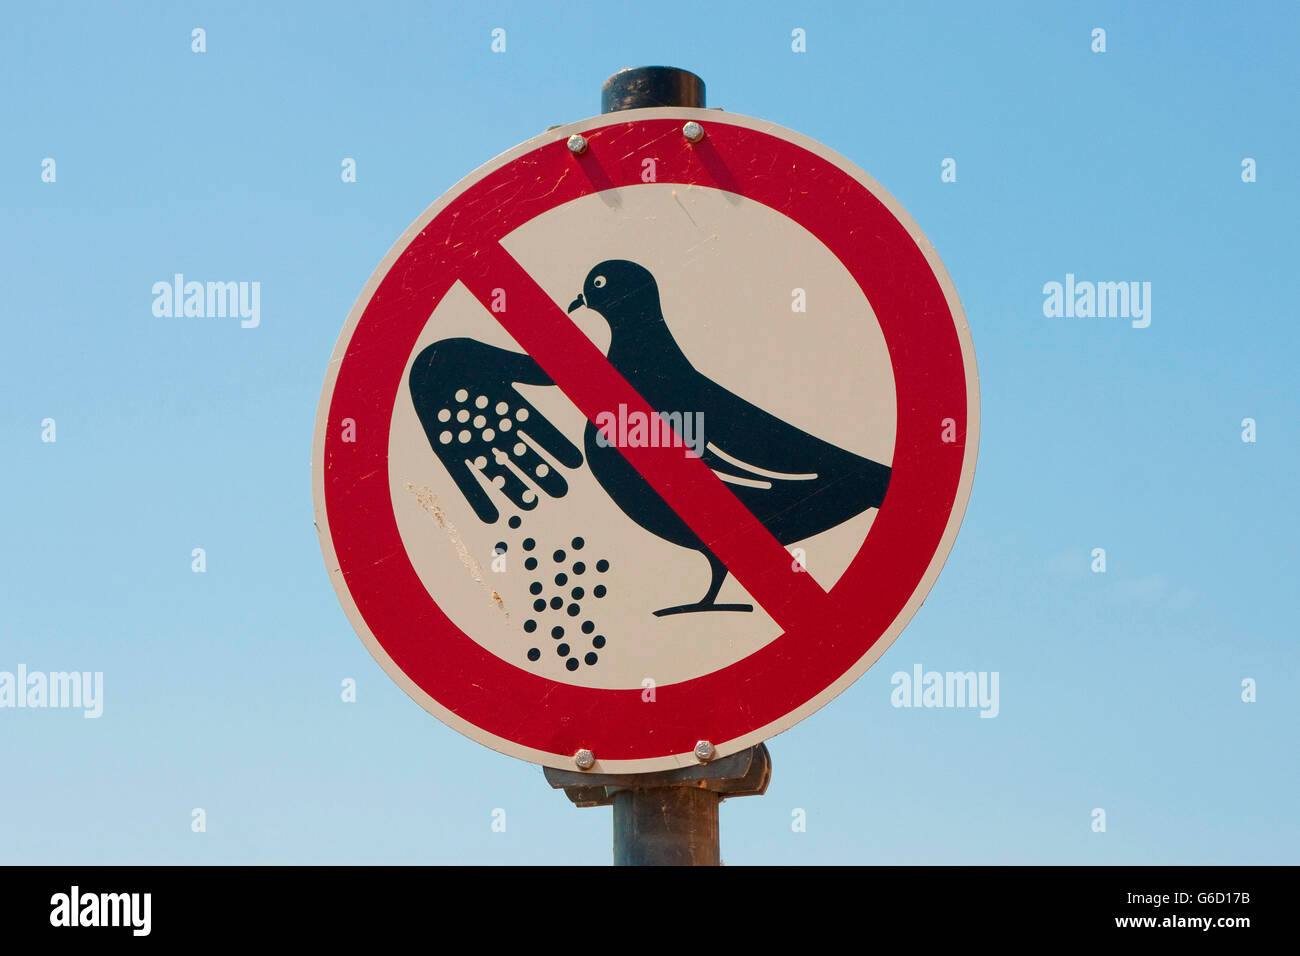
column 639, row 87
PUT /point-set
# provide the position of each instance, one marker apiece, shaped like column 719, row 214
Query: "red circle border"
column 930, row 382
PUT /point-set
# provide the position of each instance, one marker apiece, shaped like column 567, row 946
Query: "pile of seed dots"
column 570, row 585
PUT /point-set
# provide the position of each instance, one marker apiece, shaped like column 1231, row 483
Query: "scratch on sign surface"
column 428, row 500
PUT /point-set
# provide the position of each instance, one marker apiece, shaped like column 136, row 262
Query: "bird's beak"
column 577, row 302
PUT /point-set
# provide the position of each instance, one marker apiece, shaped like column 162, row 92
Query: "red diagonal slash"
column 756, row 559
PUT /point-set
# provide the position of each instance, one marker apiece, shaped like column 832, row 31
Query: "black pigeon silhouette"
column 795, row 484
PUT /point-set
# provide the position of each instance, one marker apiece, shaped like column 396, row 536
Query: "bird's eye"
column 598, row 282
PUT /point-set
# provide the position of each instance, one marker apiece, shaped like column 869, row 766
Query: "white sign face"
column 727, row 304
column 659, row 442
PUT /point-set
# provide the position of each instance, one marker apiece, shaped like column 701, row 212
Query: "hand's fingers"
column 546, row 435
column 471, row 413
column 494, row 467
column 463, row 474
column 527, row 460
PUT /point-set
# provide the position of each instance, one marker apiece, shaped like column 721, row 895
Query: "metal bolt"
column 577, row 144
column 704, row 751
column 693, row 131
column 585, row 759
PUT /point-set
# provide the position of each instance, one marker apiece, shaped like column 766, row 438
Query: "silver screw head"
column 577, row 144
column 693, row 131
column 704, row 751
column 584, row 759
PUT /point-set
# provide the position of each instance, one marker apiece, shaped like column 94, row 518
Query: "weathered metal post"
column 666, row 826
column 668, row 818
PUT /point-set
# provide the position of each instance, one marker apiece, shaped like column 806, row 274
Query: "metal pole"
column 666, row 826
column 668, row 818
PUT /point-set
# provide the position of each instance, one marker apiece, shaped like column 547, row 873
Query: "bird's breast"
column 632, row 493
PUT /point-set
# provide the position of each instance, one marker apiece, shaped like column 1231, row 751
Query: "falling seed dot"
column 602, row 565
column 480, row 461
column 578, row 593
column 598, row 641
column 557, row 557
column 501, row 547
column 522, row 414
column 557, row 602
column 504, row 424
column 502, row 408
column 489, row 434
column 588, row 627
column 534, row 654
column 462, row 416
column 531, row 564
column 557, row 632
column 499, row 481
column 590, row 659
column 519, row 448
column 571, row 663
column 530, row 625
column 445, row 438
column 464, row 437
column 577, row 544
column 528, row 497
column 444, row 414
column 579, row 568
column 461, row 395
column 543, row 470
column 479, row 421
column 561, row 579
column 562, row 650
column 574, row 610
column 481, row 402
column 598, row 590
column 539, row 605
column 529, row 544
column 515, row 521
column 535, row 587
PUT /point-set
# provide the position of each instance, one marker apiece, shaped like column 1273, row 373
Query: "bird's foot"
column 702, row 606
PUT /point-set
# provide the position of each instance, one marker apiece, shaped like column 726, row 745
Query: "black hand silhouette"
column 478, row 423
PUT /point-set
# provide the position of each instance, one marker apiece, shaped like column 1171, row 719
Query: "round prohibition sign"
column 828, row 638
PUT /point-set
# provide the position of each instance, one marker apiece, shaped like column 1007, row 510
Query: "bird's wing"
column 743, row 440
column 795, row 483
column 734, row 471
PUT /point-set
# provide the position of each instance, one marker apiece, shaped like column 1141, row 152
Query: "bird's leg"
column 719, row 571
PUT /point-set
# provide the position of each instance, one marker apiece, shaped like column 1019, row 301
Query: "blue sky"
column 1119, row 690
